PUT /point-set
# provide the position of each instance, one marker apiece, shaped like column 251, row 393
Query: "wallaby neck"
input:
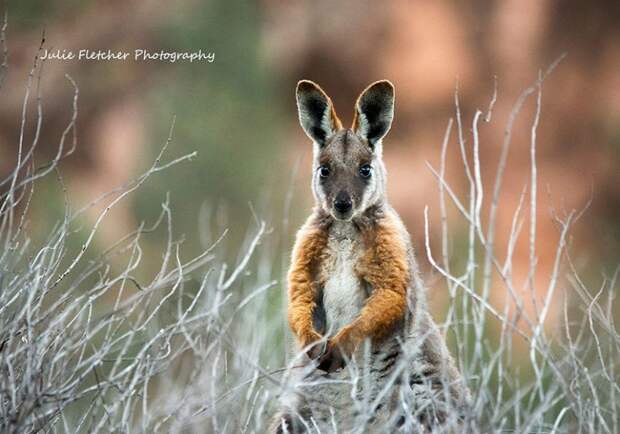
column 362, row 223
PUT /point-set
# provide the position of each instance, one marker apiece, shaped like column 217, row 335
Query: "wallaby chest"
column 344, row 293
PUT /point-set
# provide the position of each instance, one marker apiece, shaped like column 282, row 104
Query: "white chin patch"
column 344, row 218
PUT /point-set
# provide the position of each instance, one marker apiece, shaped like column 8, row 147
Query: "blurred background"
column 239, row 112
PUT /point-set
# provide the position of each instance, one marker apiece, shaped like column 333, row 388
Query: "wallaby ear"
column 374, row 111
column 316, row 112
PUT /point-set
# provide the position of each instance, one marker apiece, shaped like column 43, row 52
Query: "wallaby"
column 374, row 358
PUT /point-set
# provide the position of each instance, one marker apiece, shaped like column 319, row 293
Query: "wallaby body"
column 373, row 358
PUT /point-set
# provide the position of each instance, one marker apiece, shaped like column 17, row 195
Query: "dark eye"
column 324, row 171
column 365, row 170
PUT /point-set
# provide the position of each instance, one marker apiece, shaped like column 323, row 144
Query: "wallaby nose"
column 342, row 203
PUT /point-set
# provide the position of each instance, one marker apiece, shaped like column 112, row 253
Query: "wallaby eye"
column 324, row 171
column 365, row 170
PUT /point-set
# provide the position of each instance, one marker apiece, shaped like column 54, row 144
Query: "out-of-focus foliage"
column 226, row 110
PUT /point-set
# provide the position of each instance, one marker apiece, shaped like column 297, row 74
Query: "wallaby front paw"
column 311, row 343
column 333, row 360
column 316, row 350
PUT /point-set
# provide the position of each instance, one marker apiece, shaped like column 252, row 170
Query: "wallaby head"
column 348, row 172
